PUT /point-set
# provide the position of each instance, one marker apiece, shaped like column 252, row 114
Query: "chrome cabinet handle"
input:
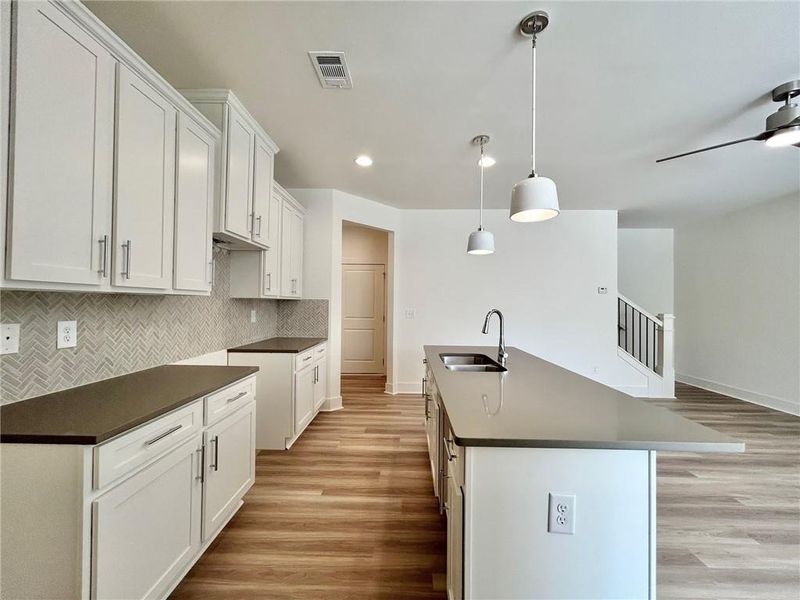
column 258, row 218
column 307, row 358
column 104, row 254
column 269, row 281
column 215, row 441
column 236, row 397
column 212, row 268
column 201, row 451
column 251, row 218
column 161, row 436
column 127, row 272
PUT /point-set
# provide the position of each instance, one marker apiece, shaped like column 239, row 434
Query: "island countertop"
column 539, row 404
column 96, row 412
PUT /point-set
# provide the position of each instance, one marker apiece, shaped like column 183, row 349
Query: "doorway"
column 364, row 260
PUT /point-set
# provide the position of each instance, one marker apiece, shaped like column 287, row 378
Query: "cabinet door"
column 262, row 193
column 297, row 254
column 239, row 175
column 230, row 466
column 147, row 529
column 319, row 382
column 287, row 276
column 303, row 398
column 455, row 540
column 194, row 205
column 62, row 143
column 144, row 203
column 270, row 282
column 274, row 228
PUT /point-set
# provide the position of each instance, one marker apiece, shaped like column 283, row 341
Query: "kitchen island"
column 547, row 478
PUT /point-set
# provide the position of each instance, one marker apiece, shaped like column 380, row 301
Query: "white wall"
column 737, row 295
column 646, row 272
column 543, row 277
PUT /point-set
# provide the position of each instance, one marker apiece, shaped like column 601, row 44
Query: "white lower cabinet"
column 290, row 390
column 125, row 519
column 229, row 470
column 147, row 529
column 455, row 539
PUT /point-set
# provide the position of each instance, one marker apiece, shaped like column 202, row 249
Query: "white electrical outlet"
column 561, row 516
column 67, row 334
column 9, row 344
column 253, row 316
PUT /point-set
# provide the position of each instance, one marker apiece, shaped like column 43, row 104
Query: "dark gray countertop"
column 289, row 345
column 93, row 413
column 539, row 404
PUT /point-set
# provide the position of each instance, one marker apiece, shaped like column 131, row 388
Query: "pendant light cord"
column 480, row 218
column 533, row 105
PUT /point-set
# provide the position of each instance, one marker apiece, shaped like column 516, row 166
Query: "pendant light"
column 480, row 240
column 535, row 198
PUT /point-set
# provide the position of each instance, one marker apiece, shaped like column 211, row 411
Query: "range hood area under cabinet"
column 276, row 272
column 111, row 170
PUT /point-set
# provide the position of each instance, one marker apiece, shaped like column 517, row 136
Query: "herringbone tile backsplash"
column 122, row 333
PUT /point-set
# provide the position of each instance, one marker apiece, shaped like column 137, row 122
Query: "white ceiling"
column 620, row 84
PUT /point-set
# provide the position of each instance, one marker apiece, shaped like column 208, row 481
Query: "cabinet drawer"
column 455, row 458
column 303, row 359
column 320, row 351
column 131, row 450
column 224, row 402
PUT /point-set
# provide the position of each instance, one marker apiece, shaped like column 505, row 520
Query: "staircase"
column 646, row 342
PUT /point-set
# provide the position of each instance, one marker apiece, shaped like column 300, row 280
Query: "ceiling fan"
column 783, row 126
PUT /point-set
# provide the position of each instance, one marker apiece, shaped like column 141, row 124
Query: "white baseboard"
column 400, row 389
column 332, row 404
column 781, row 404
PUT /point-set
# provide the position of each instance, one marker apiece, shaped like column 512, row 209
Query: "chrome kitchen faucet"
column 501, row 348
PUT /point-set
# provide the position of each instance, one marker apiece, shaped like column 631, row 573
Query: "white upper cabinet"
column 239, row 168
column 194, row 205
column 263, row 216
column 144, row 199
column 91, row 135
column 242, row 215
column 59, row 190
column 291, row 248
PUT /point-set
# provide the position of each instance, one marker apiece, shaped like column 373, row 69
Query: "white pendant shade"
column 534, row 199
column 480, row 242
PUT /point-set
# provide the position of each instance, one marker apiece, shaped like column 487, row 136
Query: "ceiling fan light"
column 784, row 137
column 480, row 242
column 534, row 199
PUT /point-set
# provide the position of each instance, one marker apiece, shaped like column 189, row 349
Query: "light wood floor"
column 348, row 512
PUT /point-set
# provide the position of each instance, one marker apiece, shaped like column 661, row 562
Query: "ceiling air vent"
column 331, row 69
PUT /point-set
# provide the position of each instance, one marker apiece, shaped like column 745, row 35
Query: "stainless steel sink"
column 470, row 362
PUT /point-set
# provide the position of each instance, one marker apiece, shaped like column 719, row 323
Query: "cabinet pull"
column 104, row 256
column 201, row 451
column 269, row 281
column 161, row 436
column 251, row 220
column 212, row 268
column 215, row 441
column 307, row 358
column 127, row 272
column 236, row 397
column 258, row 232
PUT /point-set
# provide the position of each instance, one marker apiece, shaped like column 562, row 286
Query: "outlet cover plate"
column 9, row 344
column 561, row 514
column 67, row 334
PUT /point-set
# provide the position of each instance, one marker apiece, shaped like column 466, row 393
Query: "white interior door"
column 144, row 203
column 63, row 131
column 363, row 318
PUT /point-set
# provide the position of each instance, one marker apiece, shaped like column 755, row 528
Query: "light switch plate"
column 67, row 334
column 9, row 344
column 561, row 515
column 253, row 316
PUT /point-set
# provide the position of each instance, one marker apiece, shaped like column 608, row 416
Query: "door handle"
column 215, row 441
column 161, row 436
column 104, row 262
column 127, row 272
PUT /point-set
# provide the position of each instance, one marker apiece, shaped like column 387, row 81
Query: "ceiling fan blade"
column 759, row 137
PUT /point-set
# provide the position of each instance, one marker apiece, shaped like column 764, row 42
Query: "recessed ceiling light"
column 363, row 161
column 486, row 161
